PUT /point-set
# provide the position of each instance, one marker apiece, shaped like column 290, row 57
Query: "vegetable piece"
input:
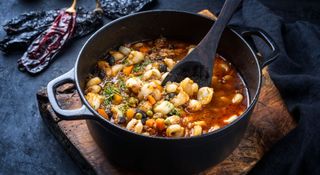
column 151, row 100
column 135, row 57
column 135, row 125
column 171, row 87
column 94, row 100
column 117, row 112
column 224, row 67
column 150, row 122
column 194, row 105
column 153, row 73
column 205, row 95
column 149, row 113
column 160, row 124
column 116, row 55
column 94, row 81
column 127, row 70
column 140, row 66
column 139, row 127
column 117, row 99
column 213, row 128
column 196, row 130
column 138, row 116
column 124, row 50
column 145, row 106
column 180, row 99
column 164, row 107
column 144, row 49
column 109, row 91
column 157, row 115
column 170, row 63
column 94, row 88
column 163, row 68
column 189, row 86
column 134, row 84
column 230, row 119
column 130, row 113
column 116, row 69
column 133, row 102
column 110, row 59
column 237, row 98
column 175, row 131
column 121, row 120
column 103, row 113
column 201, row 123
column 146, row 90
column 48, row 43
column 103, row 65
column 157, row 94
column 172, row 120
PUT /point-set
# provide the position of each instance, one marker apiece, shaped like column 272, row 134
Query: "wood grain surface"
column 269, row 122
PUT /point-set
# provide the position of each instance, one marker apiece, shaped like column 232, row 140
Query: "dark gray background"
column 26, row 145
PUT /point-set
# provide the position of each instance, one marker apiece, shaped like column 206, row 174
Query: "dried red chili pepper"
column 47, row 44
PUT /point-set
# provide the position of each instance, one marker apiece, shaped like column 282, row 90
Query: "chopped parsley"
column 140, row 66
column 110, row 90
column 174, row 111
column 122, row 85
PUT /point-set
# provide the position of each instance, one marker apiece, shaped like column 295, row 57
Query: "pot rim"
column 217, row 132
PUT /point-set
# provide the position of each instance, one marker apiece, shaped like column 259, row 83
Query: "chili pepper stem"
column 98, row 7
column 72, row 8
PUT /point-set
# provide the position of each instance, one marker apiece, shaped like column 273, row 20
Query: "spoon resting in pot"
column 198, row 65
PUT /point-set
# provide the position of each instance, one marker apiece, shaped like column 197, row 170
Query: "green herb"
column 122, row 85
column 174, row 111
column 109, row 91
column 125, row 62
column 136, row 68
column 123, row 108
column 139, row 67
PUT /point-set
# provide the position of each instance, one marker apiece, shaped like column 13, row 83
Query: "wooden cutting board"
column 269, row 122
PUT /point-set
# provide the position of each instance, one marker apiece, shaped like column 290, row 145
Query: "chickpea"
column 124, row 50
column 94, row 81
column 205, row 95
column 117, row 55
column 94, row 89
column 237, row 98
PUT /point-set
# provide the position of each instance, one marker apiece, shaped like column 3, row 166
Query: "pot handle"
column 81, row 113
column 248, row 32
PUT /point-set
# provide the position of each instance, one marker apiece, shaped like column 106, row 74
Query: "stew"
column 125, row 88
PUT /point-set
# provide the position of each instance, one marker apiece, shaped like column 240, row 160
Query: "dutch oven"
column 156, row 154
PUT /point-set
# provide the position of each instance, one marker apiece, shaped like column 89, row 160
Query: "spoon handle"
column 211, row 40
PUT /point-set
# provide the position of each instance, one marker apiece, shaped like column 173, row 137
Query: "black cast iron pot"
column 155, row 154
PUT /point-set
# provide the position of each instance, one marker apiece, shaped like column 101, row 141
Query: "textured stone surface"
column 26, row 145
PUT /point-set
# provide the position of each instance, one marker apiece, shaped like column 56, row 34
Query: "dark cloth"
column 296, row 73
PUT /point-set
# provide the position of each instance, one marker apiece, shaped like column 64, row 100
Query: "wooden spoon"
column 198, row 65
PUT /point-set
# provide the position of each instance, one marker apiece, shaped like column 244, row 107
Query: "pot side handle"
column 248, row 32
column 74, row 114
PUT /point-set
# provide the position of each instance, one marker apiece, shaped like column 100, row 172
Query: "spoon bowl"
column 198, row 65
